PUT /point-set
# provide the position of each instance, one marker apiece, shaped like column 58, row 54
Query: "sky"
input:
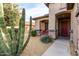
column 34, row 9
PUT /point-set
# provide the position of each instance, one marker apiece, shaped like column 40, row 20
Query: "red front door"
column 64, row 28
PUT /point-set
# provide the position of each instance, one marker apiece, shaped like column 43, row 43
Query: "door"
column 64, row 28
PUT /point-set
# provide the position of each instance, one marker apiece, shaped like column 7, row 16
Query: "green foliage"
column 33, row 33
column 12, row 43
column 46, row 39
column 8, row 12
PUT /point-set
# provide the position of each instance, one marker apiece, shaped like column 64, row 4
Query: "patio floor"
column 59, row 48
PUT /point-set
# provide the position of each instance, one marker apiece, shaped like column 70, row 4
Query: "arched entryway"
column 63, row 24
column 44, row 27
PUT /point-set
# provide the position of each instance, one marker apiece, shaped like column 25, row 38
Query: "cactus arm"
column 3, row 47
column 20, row 36
column 29, row 35
column 13, row 41
column 13, row 36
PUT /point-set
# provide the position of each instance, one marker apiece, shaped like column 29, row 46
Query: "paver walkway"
column 59, row 48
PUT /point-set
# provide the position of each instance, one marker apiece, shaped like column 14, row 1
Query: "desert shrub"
column 46, row 39
column 33, row 33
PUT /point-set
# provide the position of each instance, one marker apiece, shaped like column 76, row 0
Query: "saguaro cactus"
column 12, row 43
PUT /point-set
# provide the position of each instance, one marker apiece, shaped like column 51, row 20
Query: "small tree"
column 7, row 7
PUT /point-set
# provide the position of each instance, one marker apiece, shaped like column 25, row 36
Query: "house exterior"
column 41, row 24
column 63, row 21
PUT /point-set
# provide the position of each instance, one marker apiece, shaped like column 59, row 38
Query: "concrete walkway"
column 59, row 48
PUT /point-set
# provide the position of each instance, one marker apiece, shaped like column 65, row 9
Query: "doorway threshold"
column 61, row 37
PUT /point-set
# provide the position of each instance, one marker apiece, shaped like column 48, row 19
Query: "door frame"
column 67, row 21
column 59, row 15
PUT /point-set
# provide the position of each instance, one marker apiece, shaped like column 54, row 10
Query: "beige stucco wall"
column 51, row 21
column 59, row 7
column 74, row 26
column 77, row 18
column 78, row 34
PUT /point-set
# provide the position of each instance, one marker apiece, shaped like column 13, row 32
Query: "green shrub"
column 46, row 39
column 33, row 33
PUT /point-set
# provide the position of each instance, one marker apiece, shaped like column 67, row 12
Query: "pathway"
column 59, row 48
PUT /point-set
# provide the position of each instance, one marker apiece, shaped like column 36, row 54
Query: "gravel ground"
column 35, row 47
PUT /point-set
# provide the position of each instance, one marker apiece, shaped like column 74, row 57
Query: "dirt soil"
column 35, row 47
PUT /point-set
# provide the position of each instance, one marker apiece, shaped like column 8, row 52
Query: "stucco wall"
column 51, row 21
column 78, row 29
column 74, row 26
column 59, row 7
column 78, row 34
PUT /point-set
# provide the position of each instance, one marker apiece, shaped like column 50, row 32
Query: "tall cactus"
column 28, row 38
column 12, row 43
column 20, row 35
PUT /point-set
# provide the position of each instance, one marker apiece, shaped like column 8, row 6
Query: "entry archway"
column 63, row 24
column 44, row 27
